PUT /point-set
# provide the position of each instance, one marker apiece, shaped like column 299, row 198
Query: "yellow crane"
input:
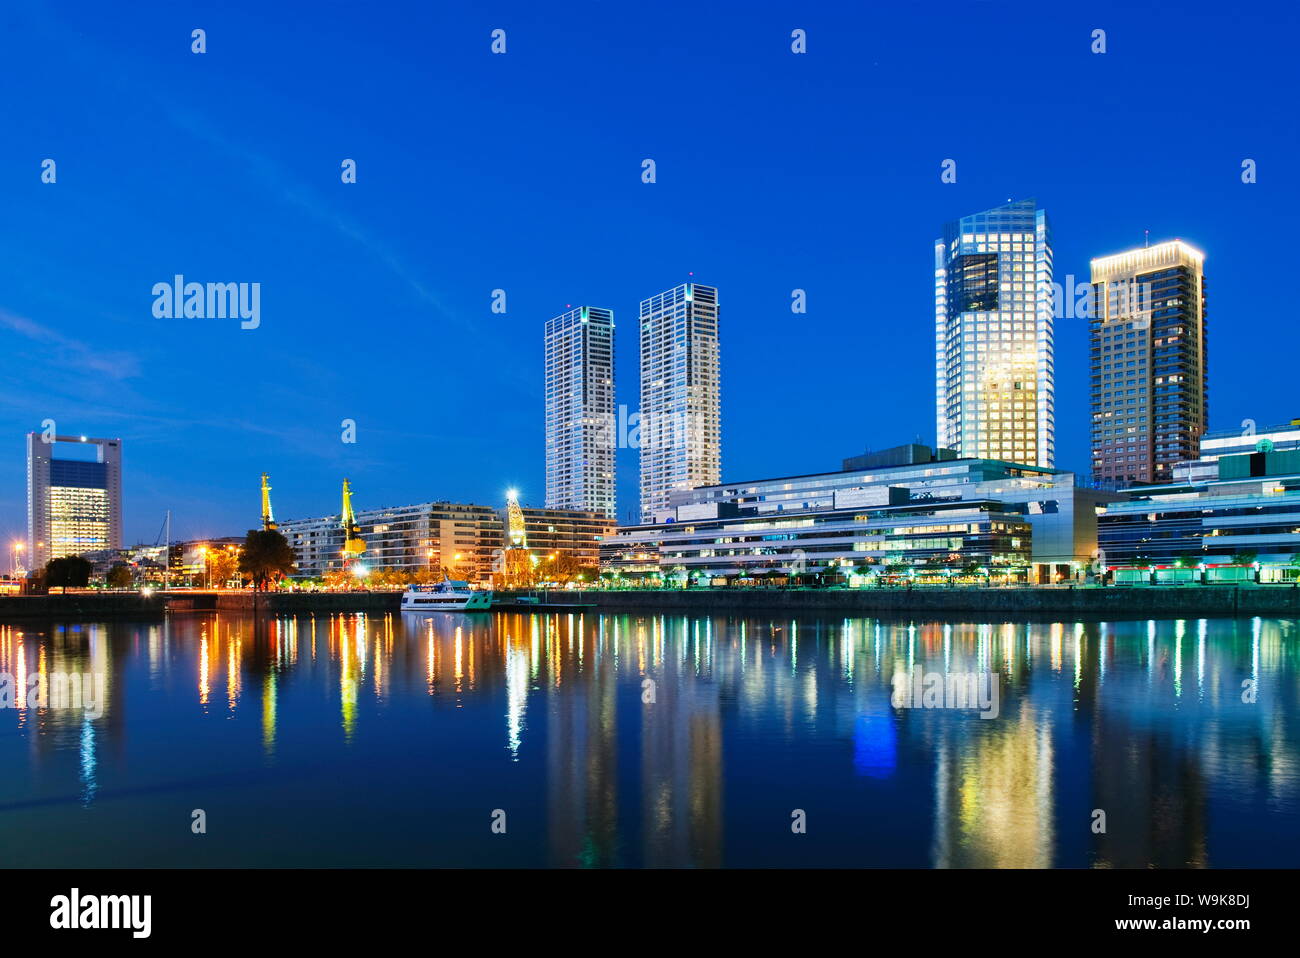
column 268, row 517
column 517, row 567
column 353, row 545
column 515, row 521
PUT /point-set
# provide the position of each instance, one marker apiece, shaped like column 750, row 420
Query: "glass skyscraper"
column 580, row 440
column 994, row 392
column 1149, row 396
column 680, row 432
column 74, row 505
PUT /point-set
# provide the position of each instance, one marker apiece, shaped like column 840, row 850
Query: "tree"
column 119, row 577
column 1244, row 557
column 223, row 565
column 267, row 557
column 337, row 579
column 559, row 567
column 392, row 577
column 67, row 572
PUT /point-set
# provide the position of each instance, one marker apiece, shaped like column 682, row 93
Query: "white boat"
column 446, row 596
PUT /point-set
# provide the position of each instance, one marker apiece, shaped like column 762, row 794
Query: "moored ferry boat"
column 447, row 596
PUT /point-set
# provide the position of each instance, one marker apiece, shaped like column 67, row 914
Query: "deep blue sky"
column 522, row 171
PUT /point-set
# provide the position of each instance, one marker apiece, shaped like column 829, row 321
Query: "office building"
column 580, row 439
column 1231, row 507
column 994, row 392
column 680, row 432
column 1148, row 345
column 909, row 507
column 74, row 503
column 1235, row 442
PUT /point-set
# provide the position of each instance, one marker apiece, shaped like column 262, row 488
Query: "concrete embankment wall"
column 1118, row 602
column 80, row 605
column 91, row 605
column 1195, row 602
column 289, row 603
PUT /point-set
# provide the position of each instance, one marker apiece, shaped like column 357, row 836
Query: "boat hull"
column 430, row 601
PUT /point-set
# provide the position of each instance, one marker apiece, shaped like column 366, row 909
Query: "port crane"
column 353, row 545
column 516, row 563
column 268, row 517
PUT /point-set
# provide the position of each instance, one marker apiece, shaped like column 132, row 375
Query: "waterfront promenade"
column 929, row 601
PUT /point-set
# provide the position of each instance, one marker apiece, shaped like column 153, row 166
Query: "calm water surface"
column 390, row 740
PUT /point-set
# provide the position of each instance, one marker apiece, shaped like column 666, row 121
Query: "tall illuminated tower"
column 681, row 400
column 1149, row 388
column 74, row 504
column 994, row 392
column 580, row 442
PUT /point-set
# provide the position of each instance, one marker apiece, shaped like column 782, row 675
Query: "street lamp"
column 15, row 566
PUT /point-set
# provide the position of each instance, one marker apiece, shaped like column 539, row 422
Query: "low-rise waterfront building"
column 190, row 560
column 465, row 540
column 1230, row 507
column 909, row 506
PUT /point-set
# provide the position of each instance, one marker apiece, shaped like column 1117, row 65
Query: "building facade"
column 895, row 507
column 994, row 373
column 466, row 541
column 680, row 432
column 1236, row 442
column 580, row 439
column 74, row 505
column 1148, row 346
column 1228, row 507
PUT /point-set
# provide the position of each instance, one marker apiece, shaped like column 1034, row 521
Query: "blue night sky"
column 522, row 172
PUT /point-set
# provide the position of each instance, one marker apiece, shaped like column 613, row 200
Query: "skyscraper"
column 1149, row 396
column 994, row 392
column 681, row 418
column 74, row 505
column 580, row 442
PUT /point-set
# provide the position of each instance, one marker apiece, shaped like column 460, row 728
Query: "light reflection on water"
column 650, row 741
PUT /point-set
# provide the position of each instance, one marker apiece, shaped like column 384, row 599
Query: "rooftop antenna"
column 1146, row 240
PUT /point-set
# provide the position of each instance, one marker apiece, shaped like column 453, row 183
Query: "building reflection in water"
column 681, row 747
column 626, row 726
column 581, row 734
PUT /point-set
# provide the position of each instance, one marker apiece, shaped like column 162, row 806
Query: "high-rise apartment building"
column 74, row 505
column 1148, row 343
column 580, row 440
column 994, row 392
column 680, row 432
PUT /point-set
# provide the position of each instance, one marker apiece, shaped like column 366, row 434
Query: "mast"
column 167, row 553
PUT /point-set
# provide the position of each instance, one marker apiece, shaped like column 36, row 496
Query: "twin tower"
column 678, row 429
